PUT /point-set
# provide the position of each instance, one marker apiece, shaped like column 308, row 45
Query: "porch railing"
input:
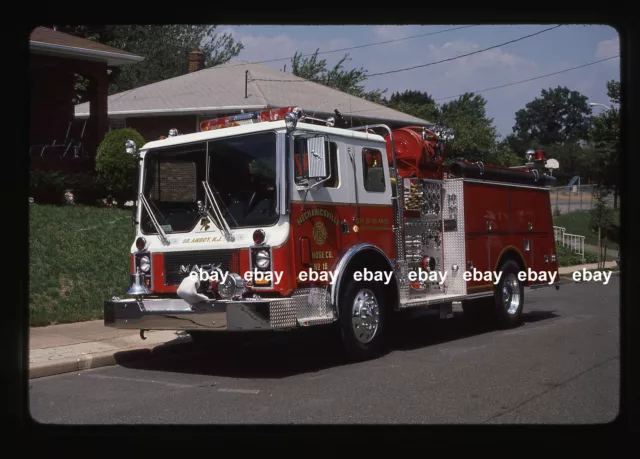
column 574, row 242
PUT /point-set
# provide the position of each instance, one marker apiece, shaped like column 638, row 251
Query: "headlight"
column 233, row 286
column 262, row 259
column 145, row 264
column 130, row 146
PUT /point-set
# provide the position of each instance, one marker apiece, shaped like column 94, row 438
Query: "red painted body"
column 509, row 210
column 318, row 227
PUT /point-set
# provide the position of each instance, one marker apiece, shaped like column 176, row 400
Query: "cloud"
column 391, row 32
column 608, row 48
column 283, row 46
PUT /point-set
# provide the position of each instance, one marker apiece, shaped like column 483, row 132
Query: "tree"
column 601, row 222
column 559, row 116
column 475, row 135
column 504, row 155
column 605, row 135
column 348, row 81
column 416, row 103
column 164, row 47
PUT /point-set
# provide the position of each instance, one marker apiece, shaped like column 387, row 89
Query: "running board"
column 438, row 299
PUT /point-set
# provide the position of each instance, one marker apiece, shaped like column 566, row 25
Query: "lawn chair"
column 77, row 146
column 64, row 146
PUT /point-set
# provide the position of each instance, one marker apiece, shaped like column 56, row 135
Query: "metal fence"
column 575, row 198
column 574, row 242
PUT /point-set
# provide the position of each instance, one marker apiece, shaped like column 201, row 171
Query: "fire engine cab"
column 276, row 220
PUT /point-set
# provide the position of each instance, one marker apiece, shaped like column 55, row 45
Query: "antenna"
column 350, row 111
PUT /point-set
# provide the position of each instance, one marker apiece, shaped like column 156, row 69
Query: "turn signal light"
column 141, row 243
column 258, row 236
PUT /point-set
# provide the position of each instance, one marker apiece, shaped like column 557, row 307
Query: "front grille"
column 178, row 265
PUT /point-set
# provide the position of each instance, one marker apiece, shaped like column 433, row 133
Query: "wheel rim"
column 365, row 316
column 511, row 293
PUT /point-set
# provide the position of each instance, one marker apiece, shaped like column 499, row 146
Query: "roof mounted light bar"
column 274, row 114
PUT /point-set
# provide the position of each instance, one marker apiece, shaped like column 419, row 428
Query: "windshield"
column 242, row 177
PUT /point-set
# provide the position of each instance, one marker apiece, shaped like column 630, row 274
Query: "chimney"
column 196, row 60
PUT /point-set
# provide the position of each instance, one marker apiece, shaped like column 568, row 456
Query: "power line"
column 530, row 79
column 362, row 46
column 462, row 55
column 505, row 85
column 181, row 46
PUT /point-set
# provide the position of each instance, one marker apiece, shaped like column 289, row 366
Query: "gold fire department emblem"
column 319, row 233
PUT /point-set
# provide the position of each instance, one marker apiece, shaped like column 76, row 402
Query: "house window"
column 301, row 163
column 372, row 171
column 117, row 124
column 175, row 181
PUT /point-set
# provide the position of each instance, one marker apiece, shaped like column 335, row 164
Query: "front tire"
column 362, row 319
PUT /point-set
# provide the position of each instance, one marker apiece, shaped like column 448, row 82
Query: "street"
column 560, row 366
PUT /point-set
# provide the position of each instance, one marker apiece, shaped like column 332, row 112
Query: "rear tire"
column 362, row 319
column 505, row 307
column 509, row 296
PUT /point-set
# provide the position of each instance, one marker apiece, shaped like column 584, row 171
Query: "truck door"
column 371, row 196
column 316, row 214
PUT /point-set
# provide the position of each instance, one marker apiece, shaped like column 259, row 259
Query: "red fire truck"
column 277, row 220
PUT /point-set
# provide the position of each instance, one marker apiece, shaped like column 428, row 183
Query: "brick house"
column 231, row 88
column 55, row 59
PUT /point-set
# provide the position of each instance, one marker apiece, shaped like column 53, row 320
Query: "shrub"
column 47, row 187
column 115, row 167
column 87, row 187
column 590, row 257
column 566, row 257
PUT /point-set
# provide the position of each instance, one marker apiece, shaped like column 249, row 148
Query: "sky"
column 552, row 51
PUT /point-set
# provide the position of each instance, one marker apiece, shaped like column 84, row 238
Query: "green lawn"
column 78, row 257
column 578, row 223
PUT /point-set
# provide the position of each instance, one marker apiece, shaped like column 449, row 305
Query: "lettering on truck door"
column 317, row 222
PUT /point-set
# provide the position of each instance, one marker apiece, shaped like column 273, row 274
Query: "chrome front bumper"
column 177, row 314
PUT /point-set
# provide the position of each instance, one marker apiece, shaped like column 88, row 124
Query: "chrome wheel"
column 365, row 316
column 511, row 293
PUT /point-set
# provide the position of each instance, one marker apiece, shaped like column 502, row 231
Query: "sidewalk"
column 569, row 269
column 67, row 348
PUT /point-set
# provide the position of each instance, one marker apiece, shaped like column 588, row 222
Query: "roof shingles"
column 224, row 86
column 53, row 37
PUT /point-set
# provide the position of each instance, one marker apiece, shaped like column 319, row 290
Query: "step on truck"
column 276, row 220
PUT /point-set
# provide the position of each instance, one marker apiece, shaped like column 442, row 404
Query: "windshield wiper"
column 161, row 233
column 219, row 219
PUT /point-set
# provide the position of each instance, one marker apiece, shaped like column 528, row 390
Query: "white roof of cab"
column 257, row 127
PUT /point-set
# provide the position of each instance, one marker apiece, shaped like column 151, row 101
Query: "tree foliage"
column 475, row 134
column 605, row 135
column 558, row 116
column 348, row 81
column 164, row 47
column 416, row 103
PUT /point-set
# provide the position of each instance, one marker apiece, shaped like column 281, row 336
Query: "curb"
column 108, row 358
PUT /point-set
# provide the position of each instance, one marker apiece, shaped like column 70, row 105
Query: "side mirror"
column 316, row 148
column 130, row 147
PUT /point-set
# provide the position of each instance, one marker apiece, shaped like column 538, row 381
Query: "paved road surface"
column 561, row 366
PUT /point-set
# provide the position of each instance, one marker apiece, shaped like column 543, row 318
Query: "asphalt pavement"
column 560, row 366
